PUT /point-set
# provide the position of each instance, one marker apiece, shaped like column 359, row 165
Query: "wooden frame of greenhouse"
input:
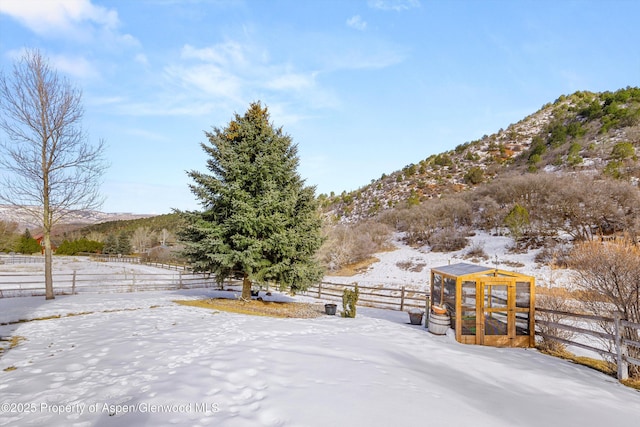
column 487, row 306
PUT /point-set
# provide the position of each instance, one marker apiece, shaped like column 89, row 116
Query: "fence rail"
column 19, row 285
column 21, row 259
column 625, row 335
column 138, row 260
column 380, row 296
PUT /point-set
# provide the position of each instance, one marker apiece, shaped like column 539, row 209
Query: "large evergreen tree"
column 123, row 246
column 110, row 245
column 258, row 219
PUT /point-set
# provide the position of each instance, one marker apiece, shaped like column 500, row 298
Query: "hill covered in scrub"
column 568, row 169
column 582, row 132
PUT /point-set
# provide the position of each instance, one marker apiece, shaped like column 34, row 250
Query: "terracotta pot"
column 438, row 310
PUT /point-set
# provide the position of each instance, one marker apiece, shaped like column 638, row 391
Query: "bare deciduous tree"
column 8, row 235
column 142, row 239
column 346, row 244
column 609, row 273
column 49, row 168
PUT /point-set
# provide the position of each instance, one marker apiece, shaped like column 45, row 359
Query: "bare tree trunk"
column 48, row 261
column 246, row 287
column 46, row 224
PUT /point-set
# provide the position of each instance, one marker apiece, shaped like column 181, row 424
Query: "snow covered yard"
column 140, row 359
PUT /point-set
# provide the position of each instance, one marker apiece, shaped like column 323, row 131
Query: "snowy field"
column 138, row 359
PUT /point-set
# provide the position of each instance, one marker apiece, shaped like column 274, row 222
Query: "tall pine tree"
column 258, row 219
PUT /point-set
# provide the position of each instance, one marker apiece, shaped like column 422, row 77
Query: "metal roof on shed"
column 461, row 269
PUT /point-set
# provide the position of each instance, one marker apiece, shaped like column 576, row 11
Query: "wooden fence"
column 616, row 346
column 138, row 260
column 19, row 285
column 21, row 259
column 380, row 296
column 620, row 340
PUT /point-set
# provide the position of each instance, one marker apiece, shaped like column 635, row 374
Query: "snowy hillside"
column 410, row 266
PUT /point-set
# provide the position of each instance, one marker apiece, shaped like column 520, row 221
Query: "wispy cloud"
column 79, row 20
column 141, row 58
column 209, row 79
column 236, row 72
column 357, row 23
column 75, row 66
column 229, row 53
column 397, row 5
column 291, row 81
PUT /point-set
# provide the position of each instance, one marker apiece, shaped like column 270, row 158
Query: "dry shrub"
column 415, row 267
column 609, row 275
column 553, row 300
column 348, row 244
column 477, row 251
column 160, row 254
column 448, row 240
column 423, row 222
column 554, row 254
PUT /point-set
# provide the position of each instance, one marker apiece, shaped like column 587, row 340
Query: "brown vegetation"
column 611, row 270
column 258, row 307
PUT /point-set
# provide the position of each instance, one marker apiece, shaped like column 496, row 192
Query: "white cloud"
column 291, row 81
column 397, row 5
column 46, row 17
column 357, row 23
column 229, row 53
column 74, row 66
column 209, row 79
column 78, row 20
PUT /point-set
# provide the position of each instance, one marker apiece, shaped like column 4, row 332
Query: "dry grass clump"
column 354, row 268
column 597, row 364
column 13, row 341
column 632, row 383
column 415, row 267
column 258, row 308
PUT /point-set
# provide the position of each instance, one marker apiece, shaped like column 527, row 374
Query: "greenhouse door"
column 496, row 322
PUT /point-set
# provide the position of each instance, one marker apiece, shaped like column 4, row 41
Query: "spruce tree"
column 124, row 244
column 110, row 244
column 258, row 218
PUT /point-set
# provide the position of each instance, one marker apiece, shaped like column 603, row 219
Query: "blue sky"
column 364, row 87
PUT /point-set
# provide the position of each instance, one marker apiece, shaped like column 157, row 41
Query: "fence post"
column 623, row 367
column 180, row 279
column 73, row 283
column 402, row 299
column 320, row 290
column 427, row 309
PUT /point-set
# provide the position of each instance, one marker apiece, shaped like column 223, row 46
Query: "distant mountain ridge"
column 584, row 131
column 77, row 218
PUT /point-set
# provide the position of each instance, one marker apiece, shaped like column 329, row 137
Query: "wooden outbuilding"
column 487, row 306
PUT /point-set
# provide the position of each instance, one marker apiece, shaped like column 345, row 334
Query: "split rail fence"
column 622, row 345
column 21, row 285
column 380, row 296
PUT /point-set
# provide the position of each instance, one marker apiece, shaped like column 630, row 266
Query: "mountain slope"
column 74, row 220
column 585, row 131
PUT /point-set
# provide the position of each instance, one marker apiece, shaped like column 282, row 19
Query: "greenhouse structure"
column 487, row 306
